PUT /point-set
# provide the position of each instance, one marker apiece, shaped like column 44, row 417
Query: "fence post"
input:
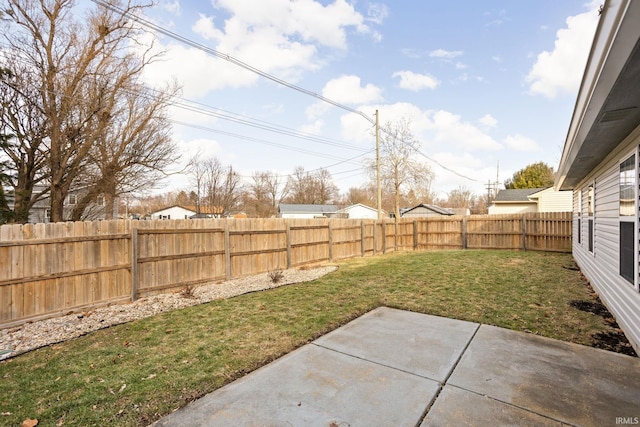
column 330, row 241
column 395, row 235
column 464, row 233
column 288, row 228
column 384, row 237
column 362, row 249
column 415, row 235
column 524, row 233
column 227, row 250
column 375, row 237
column 134, row 263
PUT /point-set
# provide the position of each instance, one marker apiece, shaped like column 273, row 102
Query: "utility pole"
column 378, row 185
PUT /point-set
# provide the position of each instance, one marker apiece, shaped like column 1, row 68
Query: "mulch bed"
column 613, row 339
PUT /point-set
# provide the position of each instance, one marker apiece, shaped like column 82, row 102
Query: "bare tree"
column 24, row 129
column 134, row 151
column 81, row 67
column 363, row 194
column 460, row 197
column 311, row 188
column 400, row 171
column 219, row 188
column 264, row 193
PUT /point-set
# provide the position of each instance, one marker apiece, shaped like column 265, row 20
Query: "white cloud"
column 488, row 121
column 521, row 143
column 286, row 19
column 560, row 71
column 205, row 27
column 279, row 37
column 197, row 78
column 445, row 54
column 355, row 128
column 416, row 82
column 348, row 89
column 465, row 164
column 345, row 90
column 451, row 129
column 314, row 128
column 435, row 129
column 411, row 53
column 172, row 7
column 377, row 13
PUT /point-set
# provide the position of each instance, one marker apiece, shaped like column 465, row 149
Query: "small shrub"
column 187, row 291
column 276, row 276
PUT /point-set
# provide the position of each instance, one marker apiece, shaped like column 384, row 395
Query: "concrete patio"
column 398, row 368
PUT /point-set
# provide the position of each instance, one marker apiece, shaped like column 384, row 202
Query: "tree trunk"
column 109, row 205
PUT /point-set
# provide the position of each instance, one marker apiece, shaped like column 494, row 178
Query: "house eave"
column 607, row 108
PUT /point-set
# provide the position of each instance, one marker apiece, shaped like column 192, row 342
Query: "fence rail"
column 51, row 269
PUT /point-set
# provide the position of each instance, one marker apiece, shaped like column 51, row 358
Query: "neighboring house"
column 425, row 210
column 358, row 211
column 305, row 211
column 205, row 211
column 40, row 212
column 600, row 163
column 531, row 200
column 173, row 212
column 186, row 212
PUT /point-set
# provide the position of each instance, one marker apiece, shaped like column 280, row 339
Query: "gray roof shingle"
column 518, row 195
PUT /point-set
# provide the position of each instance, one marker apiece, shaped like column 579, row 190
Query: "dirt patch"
column 612, row 339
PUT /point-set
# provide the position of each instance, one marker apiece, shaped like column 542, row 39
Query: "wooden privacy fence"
column 51, row 269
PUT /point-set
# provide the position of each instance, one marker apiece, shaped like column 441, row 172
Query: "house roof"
column 172, row 206
column 204, row 209
column 520, row 195
column 348, row 208
column 306, row 209
column 434, row 208
column 607, row 108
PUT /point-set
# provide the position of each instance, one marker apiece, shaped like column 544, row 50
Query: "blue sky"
column 482, row 83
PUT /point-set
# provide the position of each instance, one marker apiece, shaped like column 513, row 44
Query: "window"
column 73, row 199
column 627, row 190
column 590, row 215
column 579, row 217
column 100, row 201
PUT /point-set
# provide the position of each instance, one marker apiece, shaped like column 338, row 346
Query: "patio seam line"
column 376, row 363
column 567, row 423
column 446, row 379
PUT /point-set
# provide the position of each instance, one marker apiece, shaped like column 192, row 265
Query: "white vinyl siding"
column 555, row 201
column 602, row 267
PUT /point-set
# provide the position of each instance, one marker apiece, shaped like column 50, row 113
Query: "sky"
column 488, row 87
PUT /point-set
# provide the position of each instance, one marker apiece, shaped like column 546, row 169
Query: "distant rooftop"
column 306, row 209
column 518, row 195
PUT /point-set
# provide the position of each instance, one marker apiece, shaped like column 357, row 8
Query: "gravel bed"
column 20, row 339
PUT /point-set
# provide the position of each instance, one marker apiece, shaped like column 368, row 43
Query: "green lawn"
column 134, row 373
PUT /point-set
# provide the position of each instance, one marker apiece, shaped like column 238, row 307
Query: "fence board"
column 51, row 269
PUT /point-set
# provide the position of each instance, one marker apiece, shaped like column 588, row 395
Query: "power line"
column 259, row 72
column 255, row 70
column 216, row 112
column 229, row 58
column 262, row 141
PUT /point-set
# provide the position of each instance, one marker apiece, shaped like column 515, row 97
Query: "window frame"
column 632, row 216
column 590, row 216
